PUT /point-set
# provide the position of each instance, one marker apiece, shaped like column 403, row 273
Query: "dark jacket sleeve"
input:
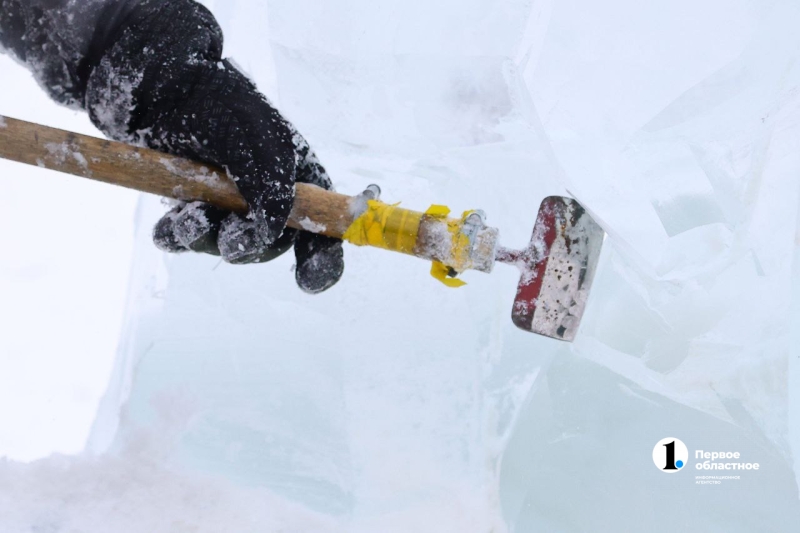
column 58, row 40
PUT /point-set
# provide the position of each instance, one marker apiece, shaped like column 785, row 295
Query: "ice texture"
column 394, row 404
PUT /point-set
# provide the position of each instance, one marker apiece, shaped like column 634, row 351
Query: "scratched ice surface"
column 394, row 404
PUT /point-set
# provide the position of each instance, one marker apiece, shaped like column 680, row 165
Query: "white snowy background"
column 234, row 402
column 65, row 253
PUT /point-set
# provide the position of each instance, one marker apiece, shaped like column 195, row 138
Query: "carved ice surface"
column 394, row 404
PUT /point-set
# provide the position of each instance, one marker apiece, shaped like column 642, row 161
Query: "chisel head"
column 557, row 267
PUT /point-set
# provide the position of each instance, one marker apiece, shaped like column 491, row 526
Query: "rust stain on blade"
column 563, row 254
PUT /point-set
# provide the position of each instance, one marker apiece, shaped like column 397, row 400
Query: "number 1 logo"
column 670, row 455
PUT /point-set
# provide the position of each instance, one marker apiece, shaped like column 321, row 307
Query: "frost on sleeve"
column 53, row 39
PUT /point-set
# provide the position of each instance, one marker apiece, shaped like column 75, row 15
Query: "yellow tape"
column 440, row 271
column 460, row 252
column 438, row 211
column 396, row 229
column 385, row 226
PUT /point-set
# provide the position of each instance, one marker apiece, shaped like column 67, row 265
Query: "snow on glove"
column 157, row 78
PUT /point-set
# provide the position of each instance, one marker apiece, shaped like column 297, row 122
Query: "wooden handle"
column 142, row 169
column 315, row 209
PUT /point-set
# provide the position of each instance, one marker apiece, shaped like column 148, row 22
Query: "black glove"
column 157, row 78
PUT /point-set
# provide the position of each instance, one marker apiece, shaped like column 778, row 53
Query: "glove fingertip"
column 164, row 234
column 272, row 219
column 320, row 263
column 241, row 241
column 196, row 227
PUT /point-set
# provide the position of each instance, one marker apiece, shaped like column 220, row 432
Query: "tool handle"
column 315, row 209
column 146, row 170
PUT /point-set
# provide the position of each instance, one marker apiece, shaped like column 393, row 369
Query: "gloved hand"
column 157, row 78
